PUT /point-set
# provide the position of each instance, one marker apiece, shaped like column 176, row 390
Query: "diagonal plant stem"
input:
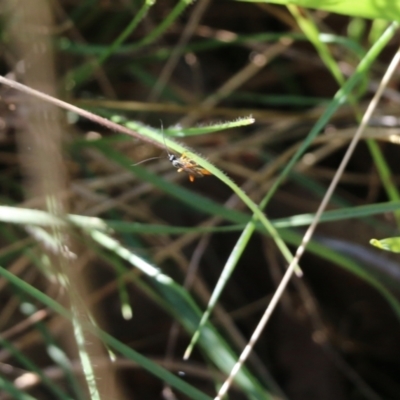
column 83, row 113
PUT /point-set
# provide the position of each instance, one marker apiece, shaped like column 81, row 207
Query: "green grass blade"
column 307, row 25
column 388, row 10
column 23, row 216
column 203, row 130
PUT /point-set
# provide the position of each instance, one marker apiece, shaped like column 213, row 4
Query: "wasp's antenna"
column 147, row 159
column 170, row 156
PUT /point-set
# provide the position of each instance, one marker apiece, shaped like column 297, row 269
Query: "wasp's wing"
column 192, row 168
column 189, row 164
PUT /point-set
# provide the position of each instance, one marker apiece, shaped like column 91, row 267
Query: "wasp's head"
column 174, row 161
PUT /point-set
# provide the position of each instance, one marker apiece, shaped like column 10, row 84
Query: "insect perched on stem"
column 183, row 163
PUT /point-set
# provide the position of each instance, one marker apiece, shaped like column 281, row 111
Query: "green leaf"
column 388, row 244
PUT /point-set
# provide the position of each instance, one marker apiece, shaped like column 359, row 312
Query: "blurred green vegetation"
column 108, row 266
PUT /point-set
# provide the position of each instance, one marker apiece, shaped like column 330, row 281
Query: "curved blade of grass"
column 203, row 130
column 151, row 133
column 241, row 244
column 388, row 10
column 338, row 215
column 308, row 27
column 157, row 135
column 24, row 216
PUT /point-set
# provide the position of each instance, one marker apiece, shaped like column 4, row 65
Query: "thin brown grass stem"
column 69, row 107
